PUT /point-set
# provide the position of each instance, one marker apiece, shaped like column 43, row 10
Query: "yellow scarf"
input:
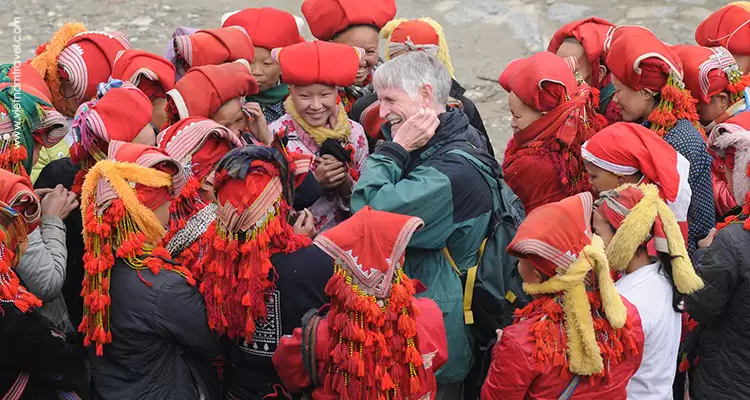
column 319, row 134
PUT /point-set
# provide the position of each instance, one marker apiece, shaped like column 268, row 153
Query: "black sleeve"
column 308, row 192
column 45, row 354
column 360, row 105
column 62, row 172
column 475, row 120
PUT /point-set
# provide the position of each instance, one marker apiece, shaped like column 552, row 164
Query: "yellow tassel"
column 443, row 54
column 319, row 134
column 635, row 229
column 683, row 273
column 118, row 174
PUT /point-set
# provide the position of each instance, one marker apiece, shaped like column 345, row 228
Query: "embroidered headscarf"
column 584, row 328
column 152, row 74
column 728, row 27
column 639, row 215
column 214, row 46
column 198, row 144
column 545, row 83
column 171, row 55
column 591, row 34
column 373, row 333
column 19, row 215
column 639, row 60
column 254, row 187
column 422, row 34
column 730, row 141
column 117, row 203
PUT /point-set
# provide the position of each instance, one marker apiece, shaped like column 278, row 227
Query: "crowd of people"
column 258, row 216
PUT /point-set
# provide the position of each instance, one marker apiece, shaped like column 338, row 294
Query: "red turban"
column 640, row 60
column 268, row 27
column 152, row 74
column 198, row 144
column 706, row 71
column 214, row 46
column 591, row 33
column 88, row 58
column 729, row 27
column 327, row 18
column 16, row 191
column 203, row 90
column 626, row 148
column 313, row 62
column 550, row 249
column 542, row 81
column 120, row 114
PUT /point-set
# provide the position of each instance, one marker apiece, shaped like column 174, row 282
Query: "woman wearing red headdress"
column 144, row 320
column 316, row 122
column 198, row 144
column 579, row 338
column 648, row 77
column 355, row 23
column 728, row 27
column 37, row 363
column 154, row 75
column 552, row 118
column 721, row 261
column 259, row 275
column 270, row 28
column 584, row 40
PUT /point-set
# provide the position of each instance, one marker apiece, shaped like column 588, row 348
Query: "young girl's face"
column 602, row 228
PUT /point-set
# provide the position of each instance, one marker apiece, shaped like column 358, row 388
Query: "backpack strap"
column 570, row 389
column 471, row 278
column 310, row 322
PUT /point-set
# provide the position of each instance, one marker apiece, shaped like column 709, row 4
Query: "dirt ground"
column 483, row 35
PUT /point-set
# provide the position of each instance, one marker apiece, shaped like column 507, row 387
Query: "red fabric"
column 99, row 50
column 515, row 374
column 591, row 33
column 326, row 18
column 631, row 43
column 151, row 197
column 633, row 145
column 152, row 74
column 205, row 89
column 571, row 218
column 692, row 58
column 430, row 333
column 419, row 32
column 215, row 46
column 268, row 27
column 313, row 62
column 725, row 28
column 31, row 79
column 371, row 121
column 124, row 112
column 11, row 186
column 628, row 198
column 542, row 81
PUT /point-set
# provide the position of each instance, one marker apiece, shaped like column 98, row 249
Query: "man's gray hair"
column 413, row 70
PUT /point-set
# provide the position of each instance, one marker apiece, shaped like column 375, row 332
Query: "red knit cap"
column 268, row 27
column 313, row 62
column 327, row 18
column 87, row 60
column 152, row 74
column 591, row 33
column 203, row 90
column 728, row 27
column 214, row 46
column 710, row 71
column 542, row 81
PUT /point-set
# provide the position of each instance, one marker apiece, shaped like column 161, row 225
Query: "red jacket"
column 514, row 373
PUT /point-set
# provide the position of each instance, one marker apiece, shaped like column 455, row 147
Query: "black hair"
column 666, row 266
column 337, row 34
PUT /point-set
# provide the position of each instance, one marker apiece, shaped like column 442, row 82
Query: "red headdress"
column 119, row 113
column 373, row 334
column 640, row 60
column 710, row 71
column 254, row 188
column 728, row 27
column 117, row 202
column 152, row 74
column 730, row 141
column 627, row 148
column 328, row 18
column 198, row 144
column 545, row 83
column 19, row 214
column 203, row 90
column 87, row 60
column 582, row 328
column 268, row 27
column 214, row 47
column 591, row 33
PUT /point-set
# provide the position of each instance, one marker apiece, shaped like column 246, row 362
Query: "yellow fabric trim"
column 443, row 55
column 447, row 255
column 583, row 350
column 118, row 175
column 340, row 132
column 637, row 228
column 471, row 277
column 743, row 4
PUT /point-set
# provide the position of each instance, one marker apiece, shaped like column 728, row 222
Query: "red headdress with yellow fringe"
column 117, row 202
column 198, row 144
column 254, row 188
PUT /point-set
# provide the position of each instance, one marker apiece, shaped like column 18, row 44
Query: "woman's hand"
column 330, row 172
column 256, row 123
column 305, row 224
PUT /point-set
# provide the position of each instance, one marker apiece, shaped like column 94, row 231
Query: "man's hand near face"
column 417, row 130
